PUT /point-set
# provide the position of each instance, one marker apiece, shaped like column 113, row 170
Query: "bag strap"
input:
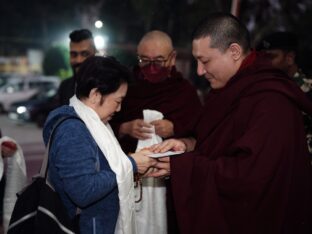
column 45, row 163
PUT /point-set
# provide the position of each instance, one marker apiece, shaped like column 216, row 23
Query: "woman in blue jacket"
column 86, row 164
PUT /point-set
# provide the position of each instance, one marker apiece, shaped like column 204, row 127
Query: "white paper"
column 168, row 153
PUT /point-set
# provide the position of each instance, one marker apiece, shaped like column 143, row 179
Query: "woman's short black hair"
column 105, row 74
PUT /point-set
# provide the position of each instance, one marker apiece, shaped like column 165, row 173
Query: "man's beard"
column 75, row 68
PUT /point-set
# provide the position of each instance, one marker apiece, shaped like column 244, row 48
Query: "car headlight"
column 21, row 109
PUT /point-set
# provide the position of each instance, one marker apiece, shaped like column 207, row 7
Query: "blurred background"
column 34, row 45
column 34, row 33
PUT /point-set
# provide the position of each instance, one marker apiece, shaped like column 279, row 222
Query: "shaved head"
column 157, row 41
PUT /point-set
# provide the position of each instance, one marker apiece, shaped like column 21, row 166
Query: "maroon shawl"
column 250, row 171
column 175, row 98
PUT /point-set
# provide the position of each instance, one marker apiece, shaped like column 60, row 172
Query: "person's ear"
column 94, row 96
column 236, row 51
column 172, row 59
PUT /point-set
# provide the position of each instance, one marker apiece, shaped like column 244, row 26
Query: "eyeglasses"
column 143, row 61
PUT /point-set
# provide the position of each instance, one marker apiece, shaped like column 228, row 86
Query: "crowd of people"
column 245, row 166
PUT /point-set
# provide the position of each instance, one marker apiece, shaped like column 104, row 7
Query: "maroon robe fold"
column 175, row 98
column 250, row 172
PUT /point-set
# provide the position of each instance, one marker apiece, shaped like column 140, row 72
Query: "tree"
column 56, row 62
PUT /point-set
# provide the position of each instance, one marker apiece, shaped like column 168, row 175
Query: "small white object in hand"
column 168, row 153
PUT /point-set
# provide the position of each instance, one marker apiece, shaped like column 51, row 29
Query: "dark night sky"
column 39, row 24
column 44, row 21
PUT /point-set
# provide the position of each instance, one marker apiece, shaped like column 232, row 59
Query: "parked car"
column 3, row 79
column 20, row 89
column 36, row 109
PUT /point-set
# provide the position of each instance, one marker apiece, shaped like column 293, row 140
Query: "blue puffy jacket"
column 81, row 174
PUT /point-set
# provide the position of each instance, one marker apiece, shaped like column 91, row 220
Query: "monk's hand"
column 137, row 128
column 170, row 144
column 8, row 149
column 163, row 128
column 143, row 161
column 149, row 171
column 162, row 168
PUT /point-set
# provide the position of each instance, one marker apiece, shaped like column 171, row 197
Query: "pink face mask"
column 154, row 73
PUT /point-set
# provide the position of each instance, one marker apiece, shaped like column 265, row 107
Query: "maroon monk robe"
column 250, row 171
column 175, row 98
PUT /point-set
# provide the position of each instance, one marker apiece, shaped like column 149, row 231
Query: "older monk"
column 158, row 87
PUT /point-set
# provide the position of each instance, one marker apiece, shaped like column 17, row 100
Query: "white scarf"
column 117, row 160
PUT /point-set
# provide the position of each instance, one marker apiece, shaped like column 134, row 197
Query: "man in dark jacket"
column 81, row 47
column 282, row 47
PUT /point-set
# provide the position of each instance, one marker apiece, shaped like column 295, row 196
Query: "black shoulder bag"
column 38, row 208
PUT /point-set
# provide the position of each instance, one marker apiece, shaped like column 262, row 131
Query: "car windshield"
column 42, row 85
column 13, row 87
column 45, row 94
column 3, row 80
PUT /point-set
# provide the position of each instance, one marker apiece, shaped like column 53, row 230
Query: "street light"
column 98, row 24
column 100, row 42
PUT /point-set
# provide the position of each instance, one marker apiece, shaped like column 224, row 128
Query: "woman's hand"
column 143, row 161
